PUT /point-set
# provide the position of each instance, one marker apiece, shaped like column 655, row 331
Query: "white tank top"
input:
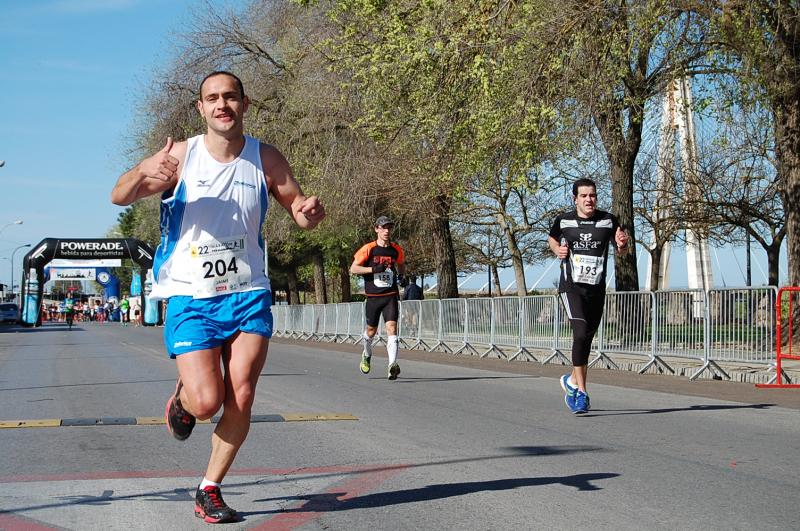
column 211, row 226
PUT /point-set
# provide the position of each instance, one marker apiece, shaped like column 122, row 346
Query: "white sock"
column 391, row 349
column 367, row 345
column 205, row 483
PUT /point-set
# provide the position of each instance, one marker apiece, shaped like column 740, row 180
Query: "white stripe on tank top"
column 211, row 226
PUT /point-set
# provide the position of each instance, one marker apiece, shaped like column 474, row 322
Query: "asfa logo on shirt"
column 585, row 242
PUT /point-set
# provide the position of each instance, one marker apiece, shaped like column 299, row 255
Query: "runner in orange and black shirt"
column 382, row 263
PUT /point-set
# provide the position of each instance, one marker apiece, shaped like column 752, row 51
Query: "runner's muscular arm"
column 307, row 212
column 152, row 175
column 360, row 258
column 358, row 269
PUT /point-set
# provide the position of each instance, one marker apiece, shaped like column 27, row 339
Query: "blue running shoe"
column 567, row 387
column 581, row 403
column 570, row 391
column 570, row 401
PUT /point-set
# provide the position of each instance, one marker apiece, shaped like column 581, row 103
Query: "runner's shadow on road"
column 698, row 407
column 181, row 494
column 459, row 378
column 330, row 502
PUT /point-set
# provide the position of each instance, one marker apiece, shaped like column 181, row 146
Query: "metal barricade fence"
column 319, row 321
column 678, row 328
column 786, row 315
column 430, row 327
column 505, row 326
column 409, row 325
column 721, row 325
column 537, row 325
column 453, row 323
column 279, row 314
column 342, row 322
column 355, row 321
column 294, row 320
column 327, row 322
column 742, row 324
column 477, row 324
column 626, row 327
column 309, row 322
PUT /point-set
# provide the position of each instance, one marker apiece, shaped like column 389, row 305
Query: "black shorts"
column 382, row 304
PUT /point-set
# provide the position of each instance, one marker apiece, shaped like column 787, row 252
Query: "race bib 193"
column 586, row 269
column 219, row 267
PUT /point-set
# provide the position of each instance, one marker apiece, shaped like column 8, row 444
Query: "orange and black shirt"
column 385, row 283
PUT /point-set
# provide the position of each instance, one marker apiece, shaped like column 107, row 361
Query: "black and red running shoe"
column 180, row 422
column 210, row 506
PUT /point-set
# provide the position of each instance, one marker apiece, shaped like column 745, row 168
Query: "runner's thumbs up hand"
column 162, row 165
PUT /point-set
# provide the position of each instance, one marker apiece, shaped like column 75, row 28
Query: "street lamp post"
column 12, row 268
column 17, row 222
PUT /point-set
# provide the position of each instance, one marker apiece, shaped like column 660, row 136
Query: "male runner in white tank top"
column 210, row 265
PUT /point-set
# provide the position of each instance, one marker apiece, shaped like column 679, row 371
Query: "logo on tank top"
column 203, row 184
column 585, row 243
column 242, row 183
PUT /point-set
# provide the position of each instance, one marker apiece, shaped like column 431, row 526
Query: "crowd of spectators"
column 95, row 310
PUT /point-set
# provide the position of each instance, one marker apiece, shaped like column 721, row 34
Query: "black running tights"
column 584, row 313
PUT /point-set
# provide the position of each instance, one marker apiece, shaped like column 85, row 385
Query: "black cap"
column 383, row 220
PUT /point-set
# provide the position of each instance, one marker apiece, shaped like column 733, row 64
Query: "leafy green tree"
column 759, row 40
column 616, row 57
column 452, row 88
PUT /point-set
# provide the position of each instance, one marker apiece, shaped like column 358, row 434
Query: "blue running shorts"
column 199, row 324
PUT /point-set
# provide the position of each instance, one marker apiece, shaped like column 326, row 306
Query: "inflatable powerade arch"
column 75, row 249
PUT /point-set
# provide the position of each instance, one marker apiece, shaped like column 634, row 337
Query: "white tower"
column 677, row 126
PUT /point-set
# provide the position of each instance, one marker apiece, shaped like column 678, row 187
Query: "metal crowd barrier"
column 720, row 325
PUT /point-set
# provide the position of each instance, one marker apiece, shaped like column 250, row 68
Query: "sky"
column 74, row 72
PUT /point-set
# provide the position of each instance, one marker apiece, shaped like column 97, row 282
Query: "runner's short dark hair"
column 582, row 182
column 221, row 73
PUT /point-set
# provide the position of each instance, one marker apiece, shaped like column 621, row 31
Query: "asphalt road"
column 454, row 443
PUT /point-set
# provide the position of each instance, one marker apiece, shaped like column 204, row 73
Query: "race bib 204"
column 219, row 267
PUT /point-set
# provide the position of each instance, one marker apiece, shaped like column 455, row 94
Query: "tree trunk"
column 291, row 282
column 344, row 279
column 622, row 139
column 626, row 273
column 787, row 147
column 447, row 287
column 320, row 289
column 516, row 261
column 773, row 262
column 496, row 279
column 652, row 282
